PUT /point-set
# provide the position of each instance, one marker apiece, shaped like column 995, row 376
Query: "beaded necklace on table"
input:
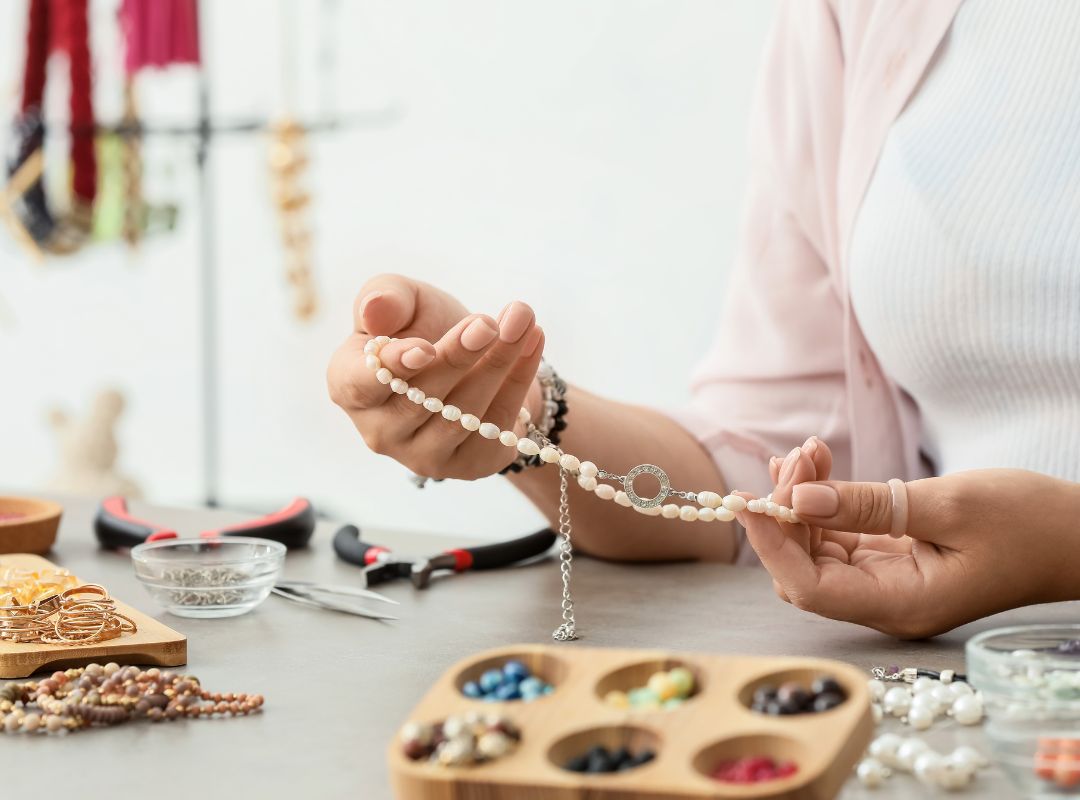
column 710, row 506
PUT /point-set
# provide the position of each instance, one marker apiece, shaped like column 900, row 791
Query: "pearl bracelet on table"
column 710, row 505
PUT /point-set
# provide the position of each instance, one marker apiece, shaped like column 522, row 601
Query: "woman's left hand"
column 976, row 543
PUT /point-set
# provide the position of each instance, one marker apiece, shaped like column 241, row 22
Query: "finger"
column 821, row 455
column 354, row 383
column 780, row 591
column 788, row 562
column 457, row 352
column 774, row 469
column 862, row 507
column 386, row 305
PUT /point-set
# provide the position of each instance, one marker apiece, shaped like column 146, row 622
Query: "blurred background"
column 588, row 158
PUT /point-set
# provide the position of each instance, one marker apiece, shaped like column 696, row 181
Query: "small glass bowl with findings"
column 215, row 577
column 1029, row 677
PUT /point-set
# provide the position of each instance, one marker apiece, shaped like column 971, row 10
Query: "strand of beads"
column 109, row 695
column 925, row 700
column 708, row 506
column 891, row 753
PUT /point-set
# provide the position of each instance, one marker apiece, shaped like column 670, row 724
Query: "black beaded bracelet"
column 551, row 424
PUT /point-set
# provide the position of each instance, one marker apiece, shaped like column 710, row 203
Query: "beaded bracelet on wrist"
column 552, row 421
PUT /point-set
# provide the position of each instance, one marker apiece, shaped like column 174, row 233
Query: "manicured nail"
column 515, row 322
column 815, row 500
column 788, row 469
column 532, row 341
column 367, row 299
column 416, row 357
column 478, row 335
column 810, row 446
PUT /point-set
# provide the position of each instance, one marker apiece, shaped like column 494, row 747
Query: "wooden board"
column 715, row 724
column 153, row 643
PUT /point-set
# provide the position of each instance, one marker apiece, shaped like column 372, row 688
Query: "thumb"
column 843, row 506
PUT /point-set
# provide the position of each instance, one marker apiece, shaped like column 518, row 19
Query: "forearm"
column 617, row 437
column 1063, row 558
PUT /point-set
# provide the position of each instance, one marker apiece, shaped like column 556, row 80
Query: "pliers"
column 116, row 528
column 381, row 565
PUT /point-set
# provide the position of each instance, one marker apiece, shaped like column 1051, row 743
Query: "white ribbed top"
column 965, row 260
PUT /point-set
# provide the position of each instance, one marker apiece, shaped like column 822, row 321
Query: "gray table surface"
column 338, row 687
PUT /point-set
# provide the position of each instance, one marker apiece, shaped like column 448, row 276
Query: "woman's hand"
column 482, row 365
column 976, row 543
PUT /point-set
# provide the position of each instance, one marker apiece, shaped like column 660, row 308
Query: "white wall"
column 569, row 154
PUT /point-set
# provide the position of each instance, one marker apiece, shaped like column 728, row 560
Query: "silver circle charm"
column 647, row 502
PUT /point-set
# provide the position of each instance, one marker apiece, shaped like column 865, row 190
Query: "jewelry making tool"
column 151, row 643
column 710, row 506
column 381, row 564
column 567, row 737
column 292, row 526
column 311, row 594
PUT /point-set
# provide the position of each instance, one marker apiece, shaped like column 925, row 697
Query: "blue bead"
column 491, row 680
column 472, row 689
column 508, row 691
column 515, row 671
column 531, row 686
column 490, row 698
column 549, row 689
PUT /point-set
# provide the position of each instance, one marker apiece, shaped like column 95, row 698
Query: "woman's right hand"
column 484, row 366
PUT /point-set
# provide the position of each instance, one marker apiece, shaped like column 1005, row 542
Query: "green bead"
column 643, row 697
column 674, row 702
column 683, row 680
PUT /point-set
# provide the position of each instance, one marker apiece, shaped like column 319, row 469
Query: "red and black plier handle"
column 116, row 528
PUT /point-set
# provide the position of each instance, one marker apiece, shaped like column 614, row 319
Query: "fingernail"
column 532, row 341
column 775, row 463
column 416, row 357
column 810, row 445
column 788, row 469
column 367, row 299
column 515, row 322
column 815, row 500
column 478, row 334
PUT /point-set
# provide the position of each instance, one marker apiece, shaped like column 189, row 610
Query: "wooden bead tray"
column 715, row 724
column 153, row 643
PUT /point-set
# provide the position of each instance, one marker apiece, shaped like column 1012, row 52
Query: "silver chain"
column 568, row 630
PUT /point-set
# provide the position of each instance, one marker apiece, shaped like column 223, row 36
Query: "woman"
column 907, row 289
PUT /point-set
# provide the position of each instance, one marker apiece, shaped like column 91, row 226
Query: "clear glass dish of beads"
column 1029, row 677
column 222, row 577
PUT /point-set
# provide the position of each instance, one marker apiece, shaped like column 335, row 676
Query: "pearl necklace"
column 710, row 506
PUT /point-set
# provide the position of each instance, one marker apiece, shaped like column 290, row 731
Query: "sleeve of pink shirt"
column 775, row 373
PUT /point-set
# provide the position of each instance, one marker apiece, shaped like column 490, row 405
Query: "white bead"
column 771, row 509
column 923, row 684
column 709, row 499
column 926, row 700
column 959, row 688
column 896, row 701
column 947, row 676
column 669, row 511
column 928, row 767
column 489, row 430
column 967, row 755
column 452, row 413
column 399, row 386
column 877, row 689
column 509, row 438
column 942, row 695
column 372, row 347
column 622, row 499
column 688, row 514
column 952, row 778
column 588, row 469
column 733, row 502
column 470, row 422
column 651, row 511
column 372, row 362
column 605, row 491
column 794, row 518
column 910, row 749
column 587, row 483
column 967, row 709
column 756, row 506
column 884, row 748
column 706, row 514
column 549, row 455
column 416, row 395
column 382, row 340
column 871, row 773
column 528, row 447
column 724, row 514
column 876, row 712
column 920, row 717
column 569, row 463
column 433, row 404
column 383, row 375
column 524, row 416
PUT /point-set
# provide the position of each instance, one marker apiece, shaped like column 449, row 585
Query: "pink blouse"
column 789, row 360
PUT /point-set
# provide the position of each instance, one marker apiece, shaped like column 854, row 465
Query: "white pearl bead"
column 452, row 413
column 871, row 773
column 433, row 404
column 416, row 395
column 884, row 748
column 382, row 341
column 528, row 447
column 967, row 709
column 910, row 749
column 896, row 701
column 688, row 514
column 569, row 463
column 928, row 767
column 524, row 416
column 923, row 684
column 383, row 375
column 470, row 422
column 588, row 469
column 724, row 514
column 959, row 688
column 952, row 778
column 372, row 347
column 771, row 509
column 920, row 717
column 877, row 689
column 399, row 386
column 794, row 518
column 489, row 430
column 651, row 511
column 755, row 506
column 709, row 499
column 733, row 502
column 605, row 491
column 622, row 499
column 669, row 511
column 587, row 483
column 925, row 700
column 549, row 455
column 966, row 755
column 509, row 438
column 706, row 514
column 947, row 676
column 372, row 362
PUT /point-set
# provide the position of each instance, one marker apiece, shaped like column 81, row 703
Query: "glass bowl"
column 1029, row 677
column 220, row 577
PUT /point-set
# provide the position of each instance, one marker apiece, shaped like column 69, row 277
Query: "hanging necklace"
column 702, row 506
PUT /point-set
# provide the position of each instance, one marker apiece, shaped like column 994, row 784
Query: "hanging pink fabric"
column 159, row 33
